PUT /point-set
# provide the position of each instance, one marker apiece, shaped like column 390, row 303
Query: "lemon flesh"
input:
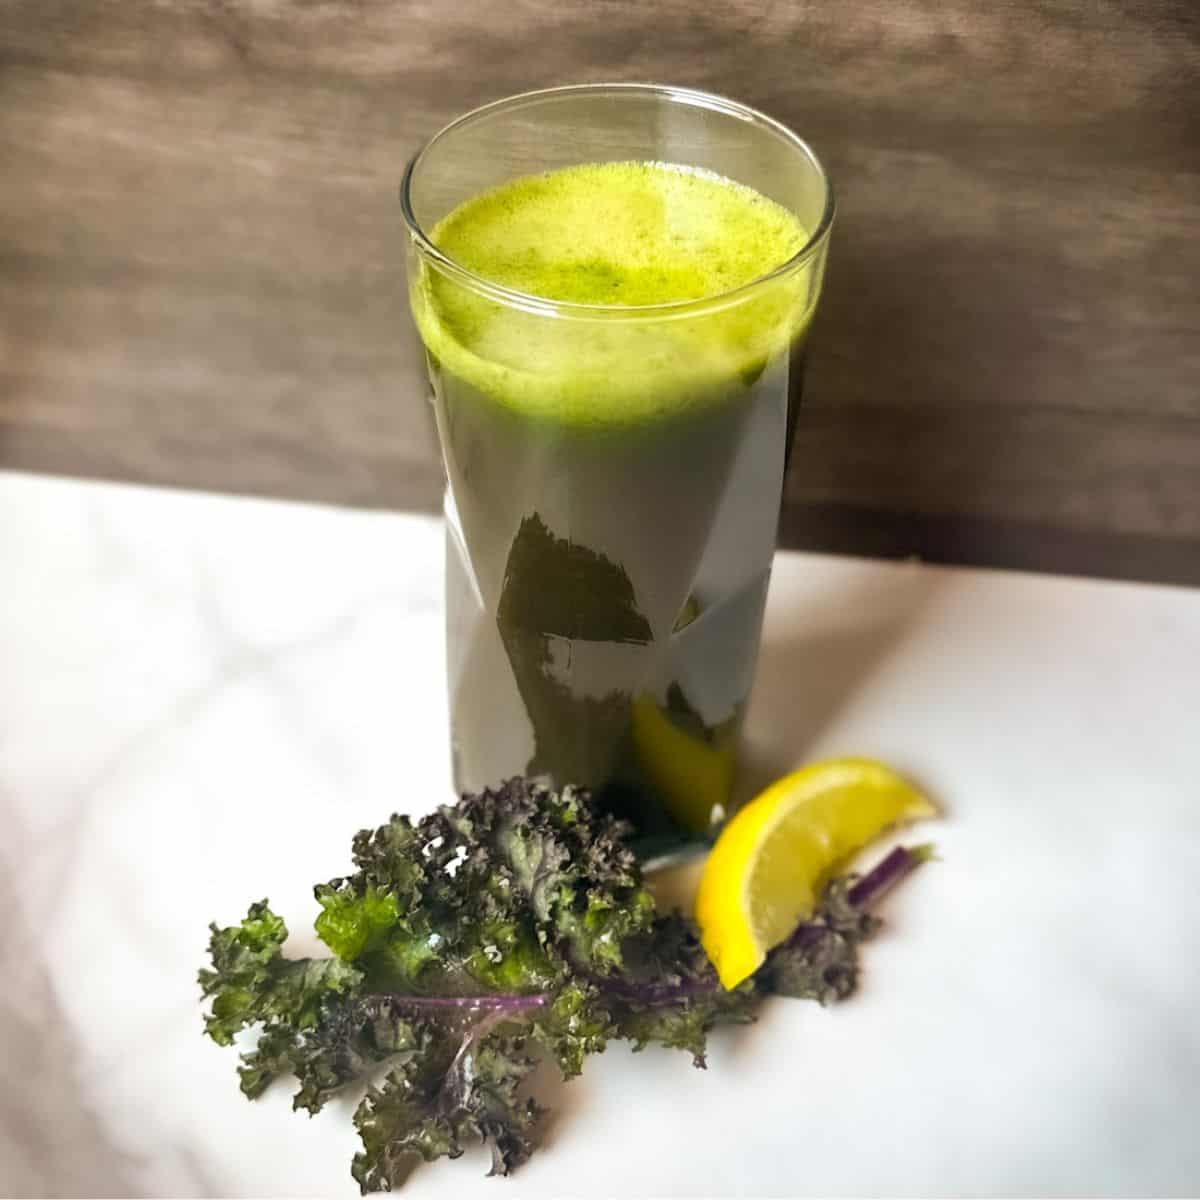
column 766, row 871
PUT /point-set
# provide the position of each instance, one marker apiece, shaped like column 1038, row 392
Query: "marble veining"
column 202, row 697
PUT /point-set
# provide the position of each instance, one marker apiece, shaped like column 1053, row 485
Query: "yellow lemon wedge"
column 692, row 777
column 766, row 870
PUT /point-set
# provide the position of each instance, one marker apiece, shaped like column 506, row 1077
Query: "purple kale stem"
column 807, row 933
column 894, row 867
column 889, row 872
column 476, row 1003
column 657, row 993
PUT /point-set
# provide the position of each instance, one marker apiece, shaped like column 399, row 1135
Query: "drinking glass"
column 614, row 473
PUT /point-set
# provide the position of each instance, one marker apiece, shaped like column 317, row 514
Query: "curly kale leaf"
column 509, row 927
column 510, row 890
column 669, row 994
column 459, row 1086
column 820, row 960
column 251, row 982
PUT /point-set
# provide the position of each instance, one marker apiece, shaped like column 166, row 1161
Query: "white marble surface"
column 202, row 697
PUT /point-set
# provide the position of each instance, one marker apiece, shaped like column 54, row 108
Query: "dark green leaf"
column 250, row 980
column 449, row 1093
column 669, row 993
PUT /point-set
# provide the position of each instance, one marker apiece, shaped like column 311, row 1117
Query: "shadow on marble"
column 819, row 658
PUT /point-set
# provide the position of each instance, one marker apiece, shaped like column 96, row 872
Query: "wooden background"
column 200, row 277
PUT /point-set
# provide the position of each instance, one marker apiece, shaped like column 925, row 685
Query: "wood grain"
column 200, row 281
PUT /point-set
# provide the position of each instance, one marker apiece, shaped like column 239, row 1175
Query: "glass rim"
column 528, row 301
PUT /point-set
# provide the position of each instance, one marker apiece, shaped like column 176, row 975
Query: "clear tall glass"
column 614, row 474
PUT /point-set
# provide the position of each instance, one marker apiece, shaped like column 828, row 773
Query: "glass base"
column 659, row 851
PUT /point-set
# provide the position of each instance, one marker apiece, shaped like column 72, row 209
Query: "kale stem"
column 881, row 878
column 657, row 993
column 518, row 1003
column 889, row 872
column 866, row 891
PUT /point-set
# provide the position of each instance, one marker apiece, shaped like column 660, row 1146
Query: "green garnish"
column 510, row 926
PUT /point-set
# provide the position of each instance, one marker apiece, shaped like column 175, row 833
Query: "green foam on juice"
column 625, row 236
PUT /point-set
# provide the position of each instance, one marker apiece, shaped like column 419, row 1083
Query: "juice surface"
column 622, row 235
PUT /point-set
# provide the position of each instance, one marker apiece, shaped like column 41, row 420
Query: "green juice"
column 614, row 474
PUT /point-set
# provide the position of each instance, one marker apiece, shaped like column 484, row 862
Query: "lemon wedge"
column 693, row 778
column 766, row 870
